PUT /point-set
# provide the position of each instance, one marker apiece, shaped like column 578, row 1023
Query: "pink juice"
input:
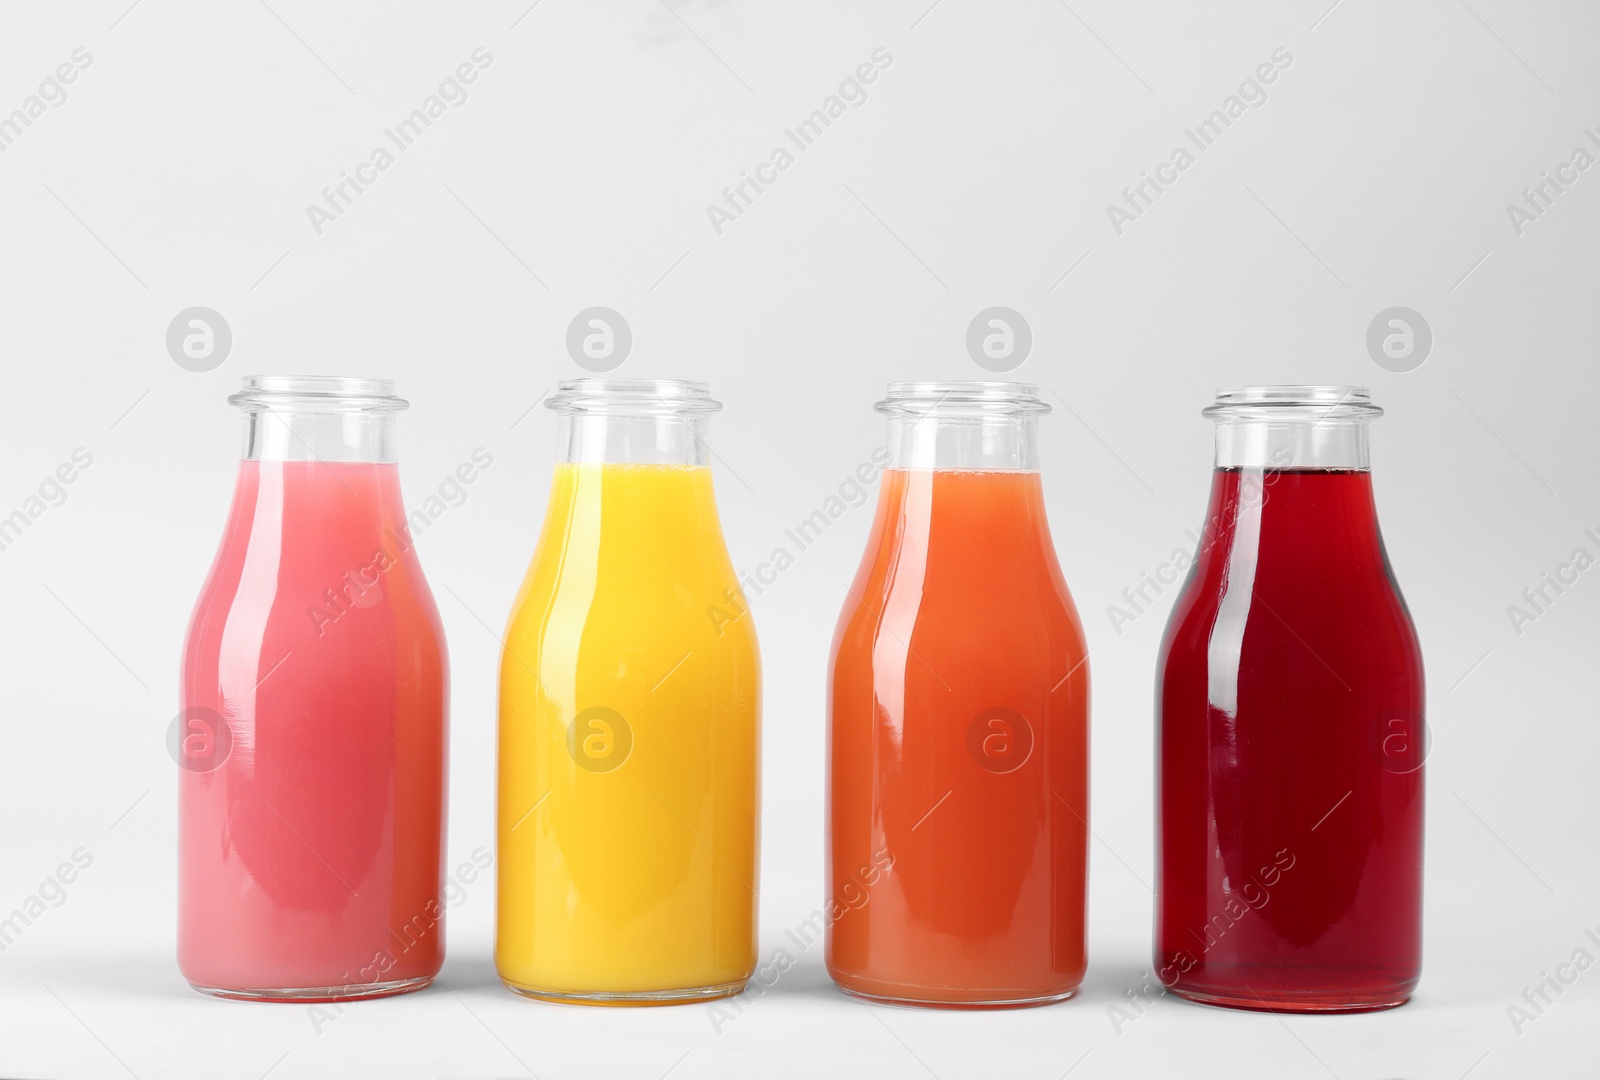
column 311, row 814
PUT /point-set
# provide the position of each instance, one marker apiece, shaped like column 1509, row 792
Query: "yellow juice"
column 629, row 744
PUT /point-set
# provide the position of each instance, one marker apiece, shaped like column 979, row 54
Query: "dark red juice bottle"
column 1290, row 725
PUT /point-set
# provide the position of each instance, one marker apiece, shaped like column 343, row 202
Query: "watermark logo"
column 199, row 739
column 599, row 339
column 850, row 896
column 51, row 493
column 1552, row 985
column 1399, row 339
column 1139, row 197
column 52, row 94
column 1254, row 894
column 51, row 893
column 599, row 739
column 1537, row 599
column 852, row 492
column 851, row 94
column 412, row 934
column 1540, row 197
column 1252, row 496
column 451, row 94
column 362, row 588
column 1401, row 745
column 999, row 339
column 199, row 339
column 1000, row 739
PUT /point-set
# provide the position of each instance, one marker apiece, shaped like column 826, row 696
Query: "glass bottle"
column 313, row 734
column 1290, row 726
column 630, row 712
column 958, row 721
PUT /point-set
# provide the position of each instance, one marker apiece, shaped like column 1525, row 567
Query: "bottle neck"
column 1292, row 443
column 989, row 442
column 290, row 435
column 621, row 438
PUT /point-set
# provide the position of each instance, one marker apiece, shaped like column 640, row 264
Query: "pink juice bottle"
column 312, row 740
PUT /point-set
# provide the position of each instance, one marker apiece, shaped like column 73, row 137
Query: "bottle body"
column 629, row 743
column 1290, row 746
column 958, row 742
column 312, row 788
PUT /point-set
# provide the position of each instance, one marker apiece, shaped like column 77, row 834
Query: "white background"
column 977, row 173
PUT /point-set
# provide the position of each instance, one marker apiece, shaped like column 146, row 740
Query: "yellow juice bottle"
column 629, row 720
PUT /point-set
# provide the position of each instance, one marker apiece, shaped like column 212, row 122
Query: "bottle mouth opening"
column 1293, row 403
column 318, row 393
column 638, row 397
column 962, row 399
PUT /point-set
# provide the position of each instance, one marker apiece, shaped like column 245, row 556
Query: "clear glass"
column 1292, row 427
column 958, row 722
column 313, row 731
column 989, row 426
column 1291, row 733
column 630, row 716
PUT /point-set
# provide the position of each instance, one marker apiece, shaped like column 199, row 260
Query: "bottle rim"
column 641, row 397
column 317, row 393
column 958, row 398
column 1293, row 402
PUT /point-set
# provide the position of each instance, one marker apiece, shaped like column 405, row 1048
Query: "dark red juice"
column 1289, row 750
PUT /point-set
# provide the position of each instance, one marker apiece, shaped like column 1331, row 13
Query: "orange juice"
column 960, row 750
column 629, row 742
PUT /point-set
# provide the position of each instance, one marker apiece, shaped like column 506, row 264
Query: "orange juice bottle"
column 959, row 721
column 630, row 698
